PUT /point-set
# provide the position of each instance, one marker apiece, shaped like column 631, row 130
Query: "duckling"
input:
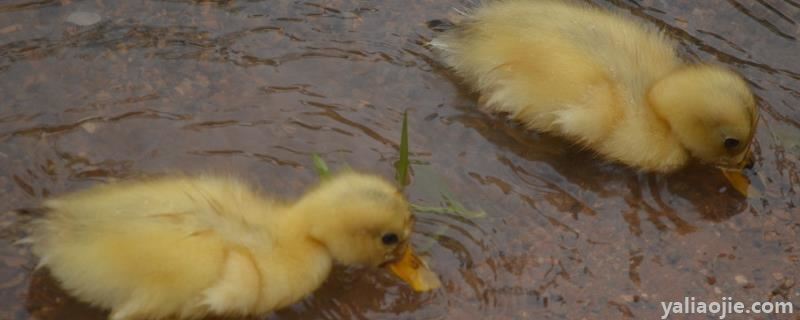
column 610, row 84
column 188, row 247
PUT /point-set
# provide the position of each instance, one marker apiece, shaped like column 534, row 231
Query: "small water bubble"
column 84, row 18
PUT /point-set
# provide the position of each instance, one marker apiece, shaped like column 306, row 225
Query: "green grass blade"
column 402, row 164
column 320, row 166
column 432, row 184
column 455, row 209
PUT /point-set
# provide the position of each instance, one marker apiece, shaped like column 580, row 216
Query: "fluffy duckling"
column 611, row 84
column 187, row 247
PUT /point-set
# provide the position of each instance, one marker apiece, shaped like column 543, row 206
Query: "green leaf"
column 320, row 166
column 402, row 164
column 433, row 184
column 452, row 207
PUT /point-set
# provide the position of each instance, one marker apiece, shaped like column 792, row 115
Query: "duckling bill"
column 187, row 247
column 611, row 84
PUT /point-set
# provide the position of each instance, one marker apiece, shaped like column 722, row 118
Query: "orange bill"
column 415, row 272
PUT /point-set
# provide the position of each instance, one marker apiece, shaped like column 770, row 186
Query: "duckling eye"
column 731, row 143
column 390, row 239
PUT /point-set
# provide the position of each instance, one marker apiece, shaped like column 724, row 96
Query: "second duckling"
column 611, row 84
column 187, row 247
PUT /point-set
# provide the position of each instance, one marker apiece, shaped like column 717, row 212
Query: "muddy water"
column 92, row 91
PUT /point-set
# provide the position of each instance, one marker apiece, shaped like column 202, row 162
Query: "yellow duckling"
column 608, row 83
column 187, row 247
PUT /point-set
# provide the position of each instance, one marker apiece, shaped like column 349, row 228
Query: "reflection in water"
column 255, row 87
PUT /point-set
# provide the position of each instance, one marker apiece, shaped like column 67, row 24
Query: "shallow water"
column 92, row 91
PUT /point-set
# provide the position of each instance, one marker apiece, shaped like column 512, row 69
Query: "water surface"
column 92, row 91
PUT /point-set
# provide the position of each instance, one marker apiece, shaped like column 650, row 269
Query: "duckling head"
column 710, row 110
column 360, row 219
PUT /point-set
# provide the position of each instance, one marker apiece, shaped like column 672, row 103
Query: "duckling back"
column 571, row 70
column 544, row 54
column 154, row 249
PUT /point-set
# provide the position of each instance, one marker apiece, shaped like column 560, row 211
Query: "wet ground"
column 92, row 91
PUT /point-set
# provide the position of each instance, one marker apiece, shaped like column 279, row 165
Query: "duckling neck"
column 298, row 224
column 316, row 212
column 671, row 102
column 300, row 221
column 296, row 265
column 646, row 142
column 668, row 97
column 639, row 135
